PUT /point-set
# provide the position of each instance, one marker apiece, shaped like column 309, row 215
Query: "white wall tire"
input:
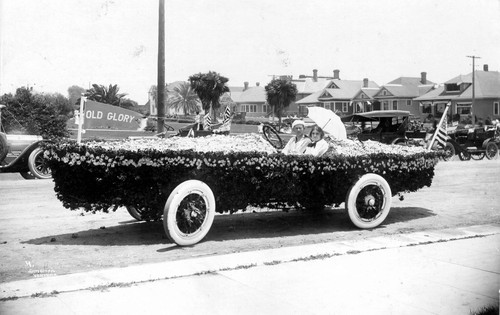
column 368, row 202
column 37, row 165
column 189, row 213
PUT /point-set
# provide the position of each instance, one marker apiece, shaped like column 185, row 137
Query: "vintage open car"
column 386, row 126
column 475, row 143
column 22, row 154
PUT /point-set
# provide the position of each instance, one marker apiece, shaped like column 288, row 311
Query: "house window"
column 265, row 108
column 385, row 105
column 338, row 106
column 250, row 108
column 328, row 105
column 496, row 108
column 395, row 104
column 463, row 109
column 408, row 102
column 345, row 107
column 384, row 92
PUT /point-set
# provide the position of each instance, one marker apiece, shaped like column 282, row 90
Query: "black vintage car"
column 392, row 127
column 22, row 154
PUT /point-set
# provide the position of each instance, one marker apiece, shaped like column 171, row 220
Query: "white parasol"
column 328, row 121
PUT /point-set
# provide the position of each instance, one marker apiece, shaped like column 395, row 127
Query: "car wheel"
column 135, row 212
column 449, row 151
column 491, row 150
column 38, row 165
column 189, row 213
column 369, row 201
column 464, row 155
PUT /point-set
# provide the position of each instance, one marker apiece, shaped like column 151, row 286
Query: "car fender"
column 20, row 163
column 3, row 146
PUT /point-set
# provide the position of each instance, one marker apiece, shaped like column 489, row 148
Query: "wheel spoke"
column 191, row 213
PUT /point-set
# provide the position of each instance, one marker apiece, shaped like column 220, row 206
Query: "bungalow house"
column 458, row 91
column 400, row 93
column 251, row 101
column 342, row 96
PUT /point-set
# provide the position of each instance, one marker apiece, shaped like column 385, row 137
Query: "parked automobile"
column 22, row 154
column 392, row 127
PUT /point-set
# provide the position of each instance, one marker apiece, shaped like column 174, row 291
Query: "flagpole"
column 439, row 125
column 81, row 117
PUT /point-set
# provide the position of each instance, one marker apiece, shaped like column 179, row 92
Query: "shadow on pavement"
column 248, row 225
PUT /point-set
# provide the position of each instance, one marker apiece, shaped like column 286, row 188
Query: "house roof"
column 405, row 87
column 338, row 90
column 256, row 94
column 486, row 85
column 308, row 85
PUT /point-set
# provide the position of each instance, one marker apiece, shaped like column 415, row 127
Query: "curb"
column 211, row 264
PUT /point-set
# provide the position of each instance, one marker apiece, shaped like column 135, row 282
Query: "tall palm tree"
column 209, row 87
column 280, row 93
column 182, row 97
column 107, row 95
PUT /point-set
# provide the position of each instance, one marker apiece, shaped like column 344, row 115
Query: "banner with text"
column 105, row 116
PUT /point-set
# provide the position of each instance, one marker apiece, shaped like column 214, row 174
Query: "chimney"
column 423, row 77
column 485, row 68
column 365, row 82
column 257, row 84
column 336, row 74
column 315, row 75
column 246, row 86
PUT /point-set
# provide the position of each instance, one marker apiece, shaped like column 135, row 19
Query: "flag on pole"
column 440, row 135
column 207, row 121
column 227, row 115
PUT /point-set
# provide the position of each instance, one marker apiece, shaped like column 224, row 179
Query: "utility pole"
column 473, row 88
column 160, row 90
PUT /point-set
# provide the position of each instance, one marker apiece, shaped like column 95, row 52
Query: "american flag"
column 227, row 115
column 442, row 135
column 208, row 121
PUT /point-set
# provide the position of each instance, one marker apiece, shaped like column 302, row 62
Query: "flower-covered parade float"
column 188, row 180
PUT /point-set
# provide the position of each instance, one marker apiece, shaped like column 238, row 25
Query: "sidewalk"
column 450, row 271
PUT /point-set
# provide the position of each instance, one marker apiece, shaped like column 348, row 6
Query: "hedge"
column 98, row 178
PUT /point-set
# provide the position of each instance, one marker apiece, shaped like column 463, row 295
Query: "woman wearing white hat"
column 298, row 143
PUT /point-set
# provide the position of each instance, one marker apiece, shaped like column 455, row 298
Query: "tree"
column 209, row 87
column 280, row 93
column 182, row 96
column 39, row 114
column 101, row 94
column 74, row 94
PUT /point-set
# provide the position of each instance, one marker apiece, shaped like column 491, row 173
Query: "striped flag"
column 441, row 134
column 227, row 115
column 207, row 121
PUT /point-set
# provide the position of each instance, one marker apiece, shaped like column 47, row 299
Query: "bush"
column 38, row 114
column 99, row 179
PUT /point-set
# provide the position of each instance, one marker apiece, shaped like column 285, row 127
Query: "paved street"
column 452, row 271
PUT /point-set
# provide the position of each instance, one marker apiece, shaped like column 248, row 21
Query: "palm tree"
column 182, row 96
column 209, row 87
column 280, row 93
column 100, row 93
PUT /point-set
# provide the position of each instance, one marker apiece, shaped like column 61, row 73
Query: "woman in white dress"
column 318, row 145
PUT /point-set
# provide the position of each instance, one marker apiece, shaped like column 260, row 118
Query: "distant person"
column 298, row 143
column 198, row 121
column 318, row 145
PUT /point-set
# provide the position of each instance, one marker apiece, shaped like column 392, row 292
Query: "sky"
column 51, row 45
